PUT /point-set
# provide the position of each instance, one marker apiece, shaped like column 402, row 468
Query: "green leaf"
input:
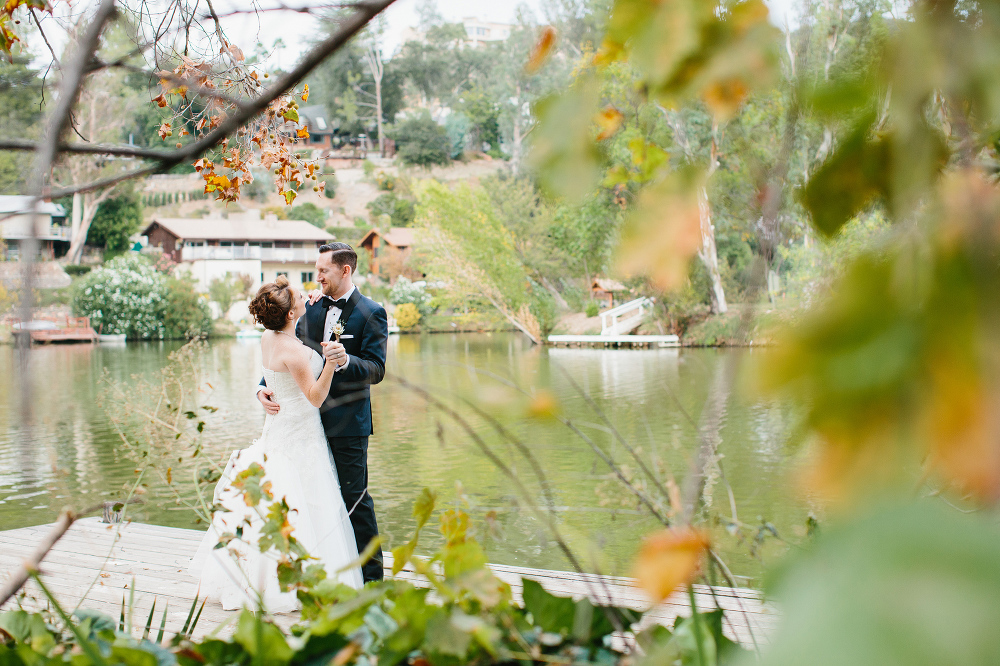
column 551, row 613
column 444, row 637
column 291, row 114
column 913, row 584
column 401, row 555
column 262, row 640
column 849, row 181
column 424, row 506
column 564, row 151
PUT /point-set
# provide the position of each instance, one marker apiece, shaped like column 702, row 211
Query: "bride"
column 297, row 462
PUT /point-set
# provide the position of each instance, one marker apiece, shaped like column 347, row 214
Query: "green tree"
column 422, row 142
column 185, row 312
column 309, row 212
column 20, row 110
column 114, row 223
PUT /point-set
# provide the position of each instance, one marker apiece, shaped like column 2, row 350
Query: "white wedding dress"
column 293, row 451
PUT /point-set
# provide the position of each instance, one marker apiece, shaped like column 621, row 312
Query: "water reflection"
column 71, row 455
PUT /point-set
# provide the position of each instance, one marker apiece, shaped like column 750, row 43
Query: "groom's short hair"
column 342, row 254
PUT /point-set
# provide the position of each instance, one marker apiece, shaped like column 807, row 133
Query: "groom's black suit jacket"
column 347, row 411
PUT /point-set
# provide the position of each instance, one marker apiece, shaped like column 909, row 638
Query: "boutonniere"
column 338, row 330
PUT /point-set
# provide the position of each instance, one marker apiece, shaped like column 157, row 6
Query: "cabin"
column 320, row 128
column 388, row 252
column 606, row 291
column 242, row 244
column 52, row 231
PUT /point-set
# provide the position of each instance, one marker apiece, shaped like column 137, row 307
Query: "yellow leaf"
column 542, row 49
column 668, row 560
column 302, row 133
column 543, row 405
column 609, row 120
column 289, row 196
column 663, row 234
column 724, row 97
column 305, row 93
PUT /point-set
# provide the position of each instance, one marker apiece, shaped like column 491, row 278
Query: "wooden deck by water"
column 98, row 562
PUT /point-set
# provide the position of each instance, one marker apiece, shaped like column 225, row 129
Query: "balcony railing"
column 230, row 252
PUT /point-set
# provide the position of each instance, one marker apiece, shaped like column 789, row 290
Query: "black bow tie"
column 326, row 303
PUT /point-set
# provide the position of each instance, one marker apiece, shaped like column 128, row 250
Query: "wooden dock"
column 67, row 329
column 98, row 563
column 616, row 341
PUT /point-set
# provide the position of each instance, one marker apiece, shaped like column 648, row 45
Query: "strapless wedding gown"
column 296, row 459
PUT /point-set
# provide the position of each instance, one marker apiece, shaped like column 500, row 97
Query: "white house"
column 51, row 229
column 215, row 247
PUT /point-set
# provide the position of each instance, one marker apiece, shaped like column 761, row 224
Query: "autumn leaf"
column 608, row 120
column 664, row 232
column 724, row 97
column 164, row 131
column 305, row 93
column 290, row 114
column 302, row 133
column 289, row 196
column 160, row 100
column 542, row 50
column 669, row 559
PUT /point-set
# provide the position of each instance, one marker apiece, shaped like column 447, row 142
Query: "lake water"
column 70, row 456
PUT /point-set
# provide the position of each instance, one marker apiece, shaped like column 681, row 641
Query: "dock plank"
column 101, row 561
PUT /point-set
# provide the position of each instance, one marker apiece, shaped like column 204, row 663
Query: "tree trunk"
column 708, row 253
column 90, row 204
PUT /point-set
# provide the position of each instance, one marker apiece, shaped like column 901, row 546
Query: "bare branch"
column 88, row 149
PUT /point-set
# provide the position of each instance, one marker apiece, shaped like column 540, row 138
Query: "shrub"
column 123, row 296
column 309, row 212
column 368, row 167
column 593, row 309
column 185, row 312
column 405, row 291
column 331, row 186
column 399, row 210
column 422, row 142
column 407, row 316
column 385, row 182
column 76, row 269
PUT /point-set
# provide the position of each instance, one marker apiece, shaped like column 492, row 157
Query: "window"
column 307, row 276
column 316, row 138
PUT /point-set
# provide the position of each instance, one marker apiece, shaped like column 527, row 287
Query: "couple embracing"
column 320, row 355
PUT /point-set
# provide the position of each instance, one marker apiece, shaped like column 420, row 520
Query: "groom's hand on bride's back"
column 266, row 399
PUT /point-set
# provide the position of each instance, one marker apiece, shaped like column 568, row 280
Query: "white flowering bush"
column 126, row 295
column 407, row 291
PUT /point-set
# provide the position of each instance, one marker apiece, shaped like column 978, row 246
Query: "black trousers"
column 350, row 454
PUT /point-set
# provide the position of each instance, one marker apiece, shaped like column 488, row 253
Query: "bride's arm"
column 315, row 390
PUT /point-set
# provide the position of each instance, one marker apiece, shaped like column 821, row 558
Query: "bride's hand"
column 314, row 296
column 334, row 351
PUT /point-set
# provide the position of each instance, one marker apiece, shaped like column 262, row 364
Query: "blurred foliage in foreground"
column 896, row 369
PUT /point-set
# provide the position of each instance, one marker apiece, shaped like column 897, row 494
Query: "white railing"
column 626, row 317
column 279, row 254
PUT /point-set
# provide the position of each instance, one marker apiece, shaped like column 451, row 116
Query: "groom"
column 360, row 359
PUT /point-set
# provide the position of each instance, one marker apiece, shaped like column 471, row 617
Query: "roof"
column 397, row 236
column 240, row 229
column 316, row 117
column 22, row 204
column 607, row 284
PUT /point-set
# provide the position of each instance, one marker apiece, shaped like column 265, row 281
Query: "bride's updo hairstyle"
column 271, row 305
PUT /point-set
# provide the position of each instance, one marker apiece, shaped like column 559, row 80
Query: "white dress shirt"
column 332, row 317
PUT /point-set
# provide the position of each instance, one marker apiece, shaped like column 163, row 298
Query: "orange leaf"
column 668, row 560
column 160, row 100
column 542, row 50
column 609, row 120
column 302, row 133
column 305, row 93
column 724, row 97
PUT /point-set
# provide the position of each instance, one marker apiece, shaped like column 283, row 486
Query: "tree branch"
column 89, row 149
column 364, row 12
